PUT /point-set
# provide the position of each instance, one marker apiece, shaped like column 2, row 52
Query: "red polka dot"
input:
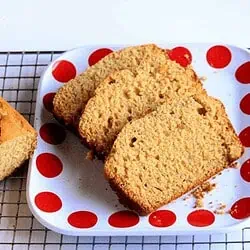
column 63, row 71
column 242, row 74
column 245, row 170
column 52, row 133
column 201, row 218
column 162, row 218
column 48, row 202
column 245, row 137
column 245, row 104
column 241, row 208
column 48, row 101
column 97, row 55
column 123, row 219
column 219, row 56
column 82, row 219
column 180, row 55
column 49, row 165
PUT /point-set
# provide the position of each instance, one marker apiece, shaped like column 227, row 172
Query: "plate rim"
column 122, row 231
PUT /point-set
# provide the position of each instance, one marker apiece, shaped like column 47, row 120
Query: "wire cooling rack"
column 19, row 76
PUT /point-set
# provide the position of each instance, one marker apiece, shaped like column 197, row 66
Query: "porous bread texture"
column 17, row 139
column 165, row 154
column 72, row 97
column 127, row 95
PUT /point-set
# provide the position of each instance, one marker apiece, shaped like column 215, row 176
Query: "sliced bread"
column 156, row 159
column 127, row 95
column 72, row 97
column 17, row 139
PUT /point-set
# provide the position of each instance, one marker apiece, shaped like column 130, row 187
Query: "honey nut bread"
column 72, row 97
column 127, row 95
column 17, row 139
column 163, row 155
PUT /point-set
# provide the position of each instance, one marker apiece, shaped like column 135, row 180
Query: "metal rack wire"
column 19, row 76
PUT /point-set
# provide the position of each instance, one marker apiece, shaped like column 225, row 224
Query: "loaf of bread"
column 127, row 95
column 17, row 139
column 72, row 97
column 163, row 155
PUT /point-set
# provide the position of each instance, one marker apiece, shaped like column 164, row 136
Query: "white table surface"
column 61, row 24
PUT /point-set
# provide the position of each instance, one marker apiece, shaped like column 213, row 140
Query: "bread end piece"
column 18, row 139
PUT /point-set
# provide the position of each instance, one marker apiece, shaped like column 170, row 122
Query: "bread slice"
column 72, row 97
column 126, row 95
column 158, row 158
column 17, row 139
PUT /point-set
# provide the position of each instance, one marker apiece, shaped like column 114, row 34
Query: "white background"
column 61, row 24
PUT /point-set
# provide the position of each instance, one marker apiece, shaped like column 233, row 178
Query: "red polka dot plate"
column 68, row 193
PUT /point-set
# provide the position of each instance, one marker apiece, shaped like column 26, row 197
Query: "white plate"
column 77, row 184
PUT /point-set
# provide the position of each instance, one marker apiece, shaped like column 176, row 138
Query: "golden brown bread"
column 126, row 95
column 17, row 139
column 72, row 97
column 163, row 155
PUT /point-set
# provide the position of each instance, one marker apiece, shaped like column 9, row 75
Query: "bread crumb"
column 208, row 187
column 234, row 165
column 203, row 78
column 186, row 198
column 220, row 212
column 199, row 203
column 187, row 56
column 90, row 155
column 222, row 206
column 199, row 193
column 220, row 209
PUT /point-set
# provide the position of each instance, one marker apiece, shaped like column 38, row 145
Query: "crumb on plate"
column 90, row 155
column 199, row 203
column 234, row 165
column 199, row 193
column 203, row 78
